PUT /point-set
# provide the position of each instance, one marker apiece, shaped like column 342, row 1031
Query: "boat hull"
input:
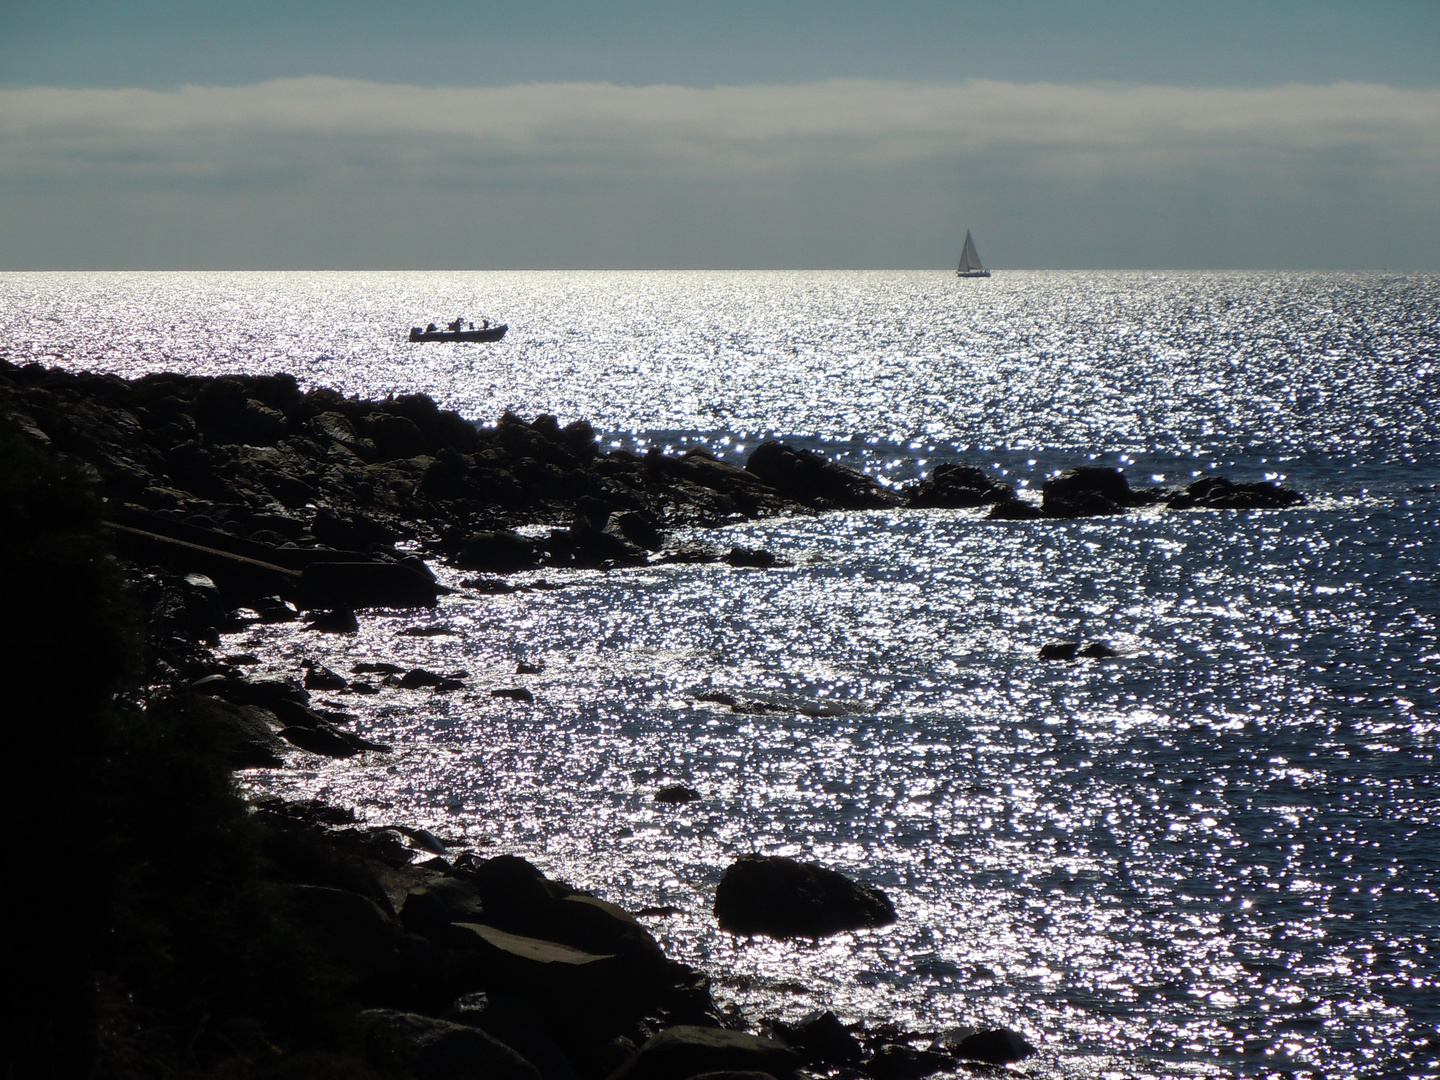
column 972, row 273
column 490, row 333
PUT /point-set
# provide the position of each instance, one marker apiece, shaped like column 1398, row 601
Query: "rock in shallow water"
column 783, row 898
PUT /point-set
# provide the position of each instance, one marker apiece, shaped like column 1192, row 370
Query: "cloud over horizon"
column 326, row 171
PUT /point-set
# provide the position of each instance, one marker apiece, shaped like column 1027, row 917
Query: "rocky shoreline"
column 246, row 493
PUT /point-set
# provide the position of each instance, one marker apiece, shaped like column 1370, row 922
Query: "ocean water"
column 1217, row 854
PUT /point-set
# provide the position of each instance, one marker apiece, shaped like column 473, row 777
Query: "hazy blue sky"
column 450, row 134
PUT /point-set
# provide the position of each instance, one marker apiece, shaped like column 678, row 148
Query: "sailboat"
column 970, row 260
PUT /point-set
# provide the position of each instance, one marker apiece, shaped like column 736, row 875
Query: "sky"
column 317, row 134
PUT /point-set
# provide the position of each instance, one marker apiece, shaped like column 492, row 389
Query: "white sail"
column 969, row 257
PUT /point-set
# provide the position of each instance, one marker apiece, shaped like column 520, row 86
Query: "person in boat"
column 455, row 326
column 484, row 322
column 430, row 328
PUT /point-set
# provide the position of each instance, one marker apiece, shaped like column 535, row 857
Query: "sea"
column 1216, row 854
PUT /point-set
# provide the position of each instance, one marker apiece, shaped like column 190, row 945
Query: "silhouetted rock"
column 808, row 478
column 1218, row 493
column 685, row 1051
column 1015, row 510
column 822, row 1038
column 497, row 552
column 676, row 793
column 783, row 898
column 1059, row 650
column 754, row 557
column 898, row 1062
column 957, row 486
column 1087, row 491
column 999, row 1046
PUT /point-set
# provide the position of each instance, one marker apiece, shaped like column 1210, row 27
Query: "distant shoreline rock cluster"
column 245, row 492
column 275, row 492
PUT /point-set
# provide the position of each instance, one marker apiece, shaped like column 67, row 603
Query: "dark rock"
column 783, row 898
column 352, row 927
column 1218, row 493
column 685, row 1051
column 431, row 1049
column 320, row 740
column 367, row 584
column 1098, row 650
column 638, row 528
column 808, row 478
column 525, row 668
column 338, row 621
column 514, row 693
column 999, row 1046
column 351, row 531
column 743, row 556
column 272, row 609
column 394, row 436
column 419, row 678
column 1015, row 510
column 247, row 731
column 430, row 909
column 822, row 1038
column 585, row 547
column 319, row 677
column 1059, row 650
column 263, row 692
column 1089, row 491
column 498, row 552
column 676, row 793
column 897, row 1062
column 957, row 486
column 515, row 1023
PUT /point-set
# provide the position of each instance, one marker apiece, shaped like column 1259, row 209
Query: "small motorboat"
column 456, row 331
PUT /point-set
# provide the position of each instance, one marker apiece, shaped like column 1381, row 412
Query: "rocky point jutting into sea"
column 237, row 497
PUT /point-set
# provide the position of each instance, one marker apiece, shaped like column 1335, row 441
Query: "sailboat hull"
column 972, row 273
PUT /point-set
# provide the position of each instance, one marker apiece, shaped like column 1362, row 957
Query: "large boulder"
column 783, row 898
column 808, row 478
column 680, row 1053
column 367, row 584
column 996, row 1046
column 1086, row 492
column 431, row 1049
column 497, row 552
column 956, row 486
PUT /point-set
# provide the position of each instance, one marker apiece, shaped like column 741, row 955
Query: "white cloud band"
column 588, row 129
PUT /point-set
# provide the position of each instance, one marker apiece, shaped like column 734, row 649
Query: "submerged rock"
column 783, row 898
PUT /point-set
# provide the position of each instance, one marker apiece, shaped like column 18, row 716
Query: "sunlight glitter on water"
column 1214, row 854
